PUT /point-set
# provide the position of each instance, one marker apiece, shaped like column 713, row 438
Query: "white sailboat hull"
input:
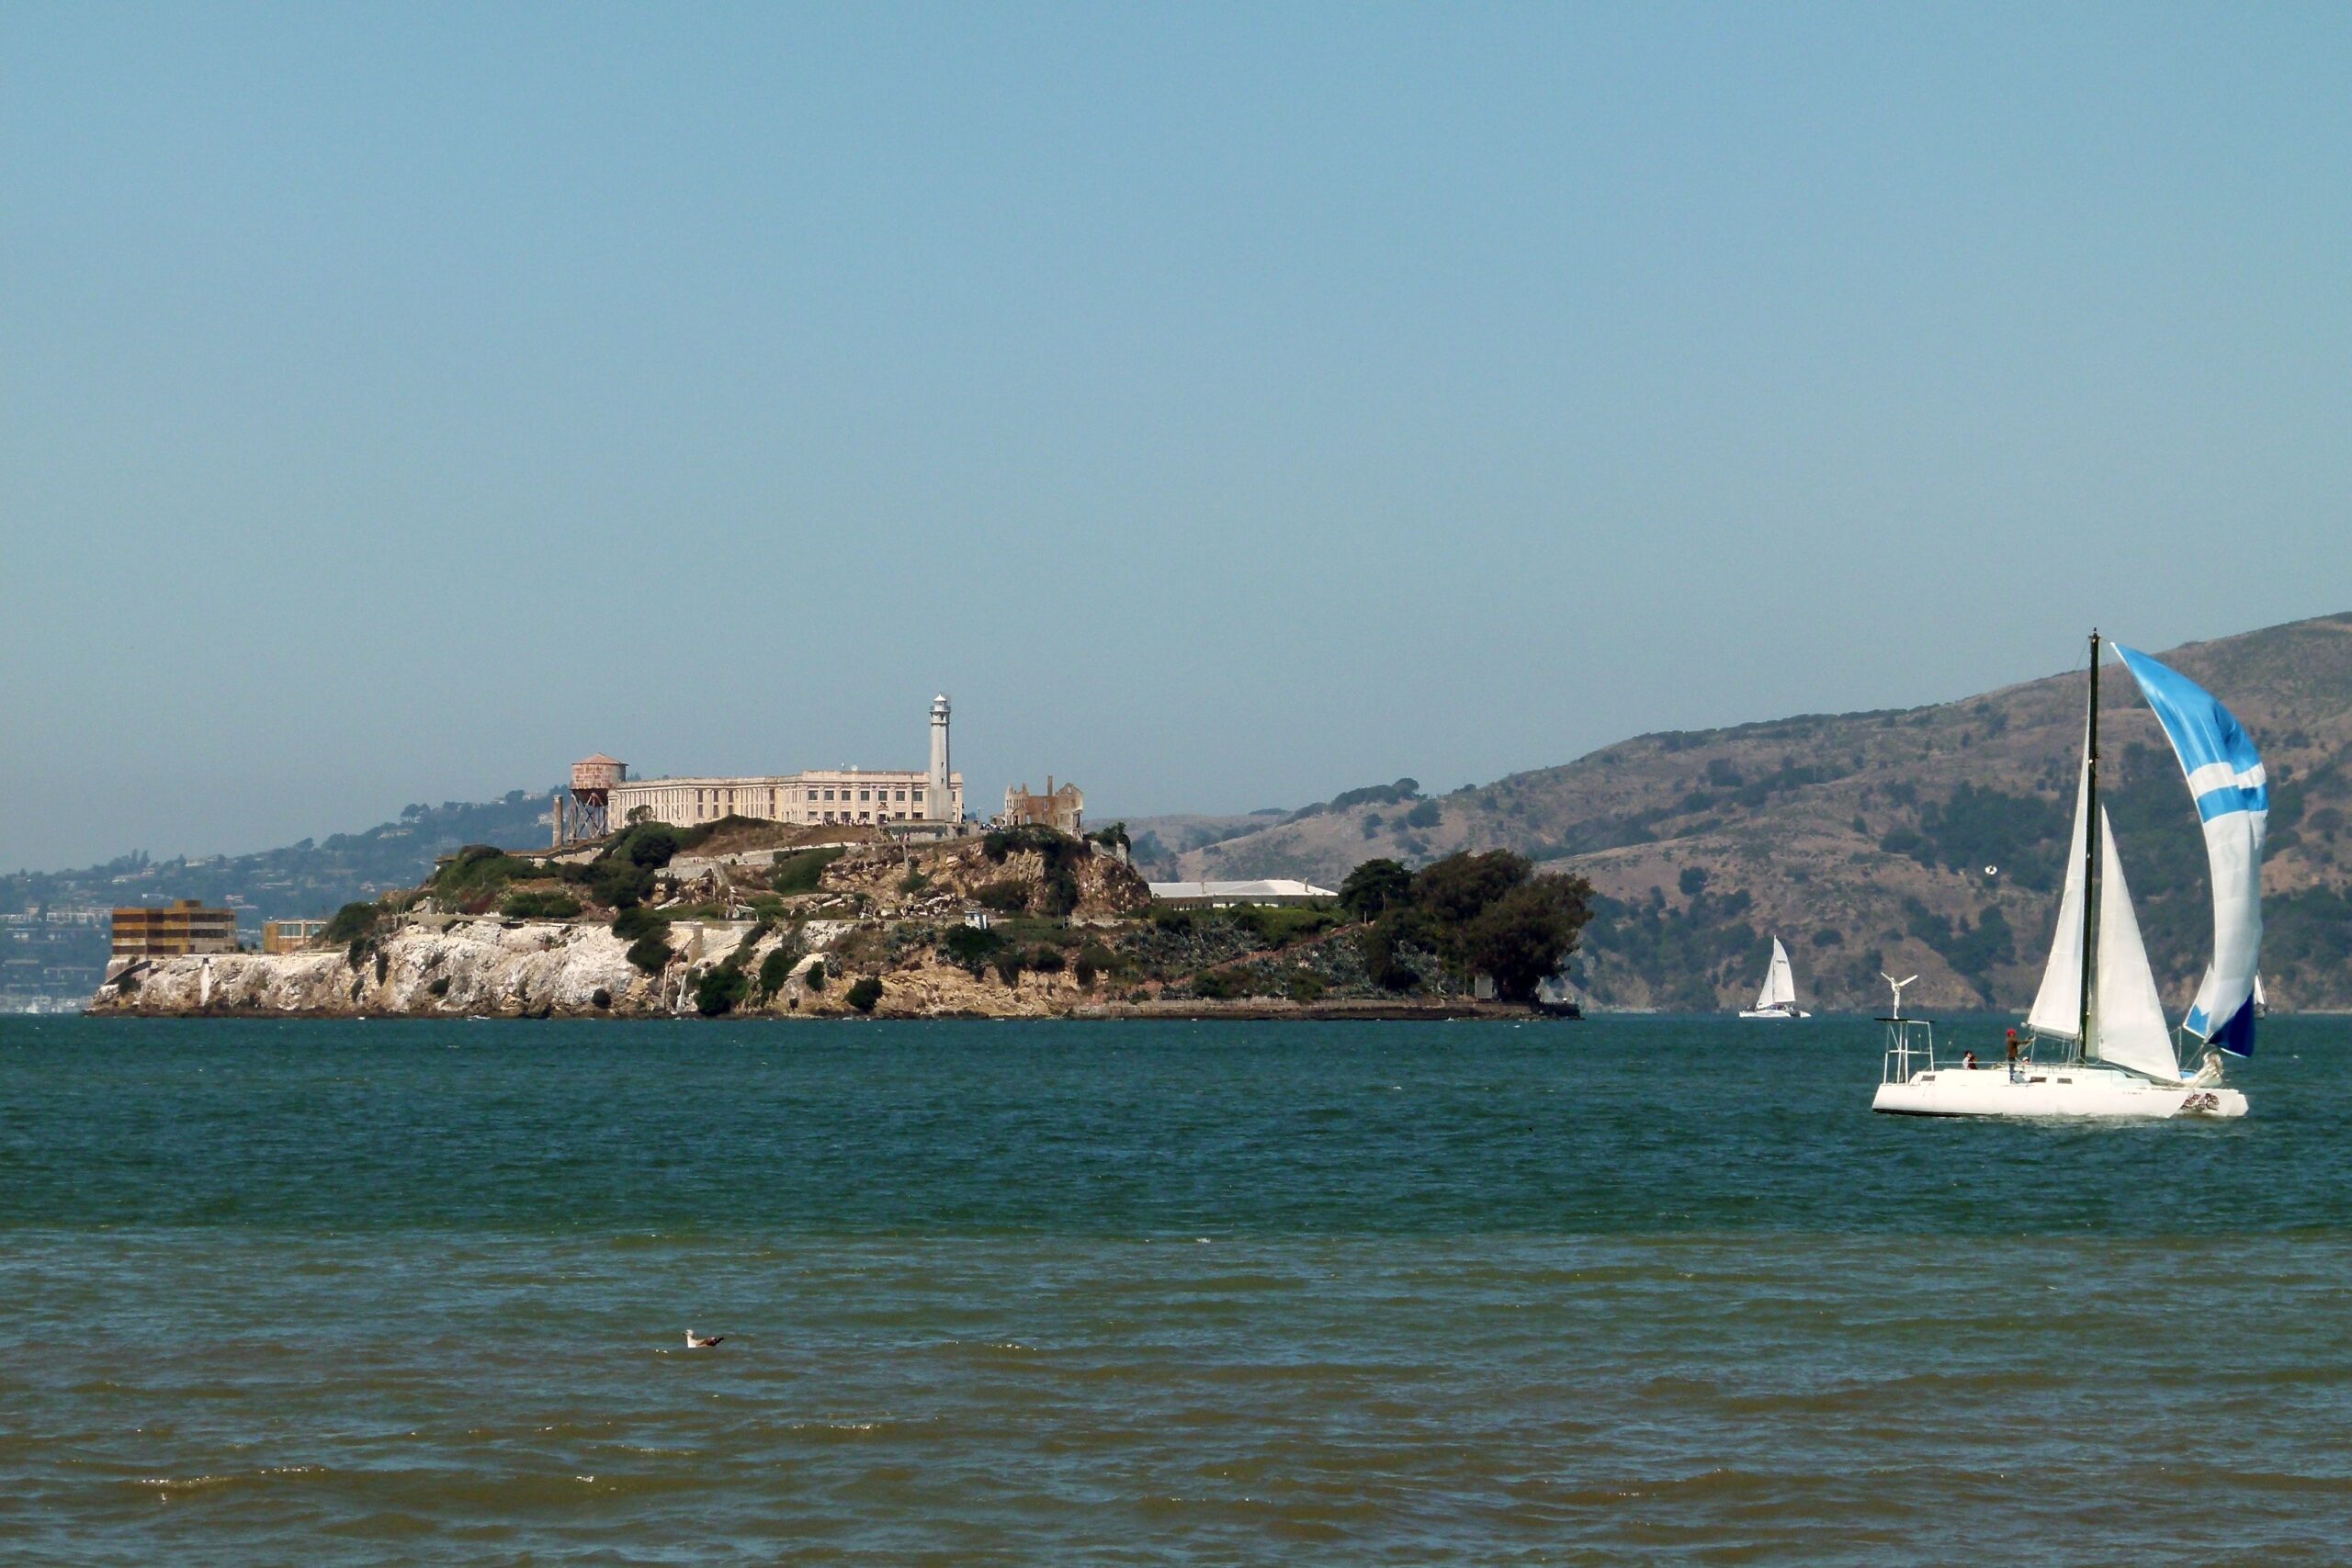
column 1774, row 1012
column 2044, row 1092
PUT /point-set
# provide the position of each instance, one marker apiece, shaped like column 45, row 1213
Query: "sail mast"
column 2091, row 838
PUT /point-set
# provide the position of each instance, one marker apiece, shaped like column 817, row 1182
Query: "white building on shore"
column 1225, row 895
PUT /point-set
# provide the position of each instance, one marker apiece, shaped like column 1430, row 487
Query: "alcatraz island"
column 851, row 893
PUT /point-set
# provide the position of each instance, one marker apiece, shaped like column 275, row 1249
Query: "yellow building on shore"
column 183, row 926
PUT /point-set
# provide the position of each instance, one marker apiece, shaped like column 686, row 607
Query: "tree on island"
column 1523, row 937
column 1478, row 913
column 1375, row 888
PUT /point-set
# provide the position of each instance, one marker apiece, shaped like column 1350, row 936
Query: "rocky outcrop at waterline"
column 469, row 966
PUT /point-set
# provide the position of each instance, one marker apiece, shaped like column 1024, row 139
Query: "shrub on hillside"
column 1006, row 894
column 1220, row 985
column 352, row 922
column 719, row 988
column 815, row 978
column 651, row 845
column 476, row 872
column 1279, row 925
column 864, row 993
column 633, row 923
column 650, row 953
column 1396, row 794
column 539, row 905
column 733, row 822
column 1005, row 842
column 1383, row 943
column 970, row 947
column 1057, row 892
column 616, row 884
column 776, row 968
column 803, row 870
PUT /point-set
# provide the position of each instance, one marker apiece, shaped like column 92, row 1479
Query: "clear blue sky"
column 1228, row 406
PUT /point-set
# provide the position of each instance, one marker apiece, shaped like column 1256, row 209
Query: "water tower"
column 590, row 812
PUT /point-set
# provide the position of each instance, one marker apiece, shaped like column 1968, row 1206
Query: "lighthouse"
column 941, row 807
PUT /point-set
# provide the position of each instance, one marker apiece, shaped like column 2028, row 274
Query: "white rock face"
column 480, row 967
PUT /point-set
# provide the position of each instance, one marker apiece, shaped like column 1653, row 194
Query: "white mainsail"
column 2058, row 1006
column 2127, row 1016
column 1780, row 982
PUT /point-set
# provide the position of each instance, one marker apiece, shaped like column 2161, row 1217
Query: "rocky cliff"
column 491, row 968
column 1014, row 925
column 460, row 967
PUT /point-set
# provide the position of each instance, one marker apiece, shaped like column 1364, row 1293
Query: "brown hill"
column 1864, row 840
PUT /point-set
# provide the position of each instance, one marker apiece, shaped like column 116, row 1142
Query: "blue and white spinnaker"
column 2232, row 797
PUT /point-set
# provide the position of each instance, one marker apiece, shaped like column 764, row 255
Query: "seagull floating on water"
column 697, row 1342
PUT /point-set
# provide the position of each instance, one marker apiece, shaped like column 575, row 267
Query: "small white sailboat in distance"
column 1779, row 996
column 2100, row 1045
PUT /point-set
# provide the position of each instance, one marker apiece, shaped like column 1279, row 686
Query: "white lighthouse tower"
column 941, row 807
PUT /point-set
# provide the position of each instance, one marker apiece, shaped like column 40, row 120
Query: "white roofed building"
column 1221, row 895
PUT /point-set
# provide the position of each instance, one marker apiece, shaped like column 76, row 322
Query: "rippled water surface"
column 1624, row 1290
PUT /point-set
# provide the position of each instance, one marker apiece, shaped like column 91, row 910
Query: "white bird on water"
column 697, row 1342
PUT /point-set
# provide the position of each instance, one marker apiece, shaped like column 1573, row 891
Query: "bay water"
column 1626, row 1290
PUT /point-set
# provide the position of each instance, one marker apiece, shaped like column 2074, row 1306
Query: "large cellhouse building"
column 844, row 794
column 852, row 796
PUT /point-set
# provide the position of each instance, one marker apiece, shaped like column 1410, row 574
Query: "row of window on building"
column 812, row 803
column 186, row 926
column 712, row 796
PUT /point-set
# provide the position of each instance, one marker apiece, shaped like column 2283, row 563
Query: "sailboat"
column 2098, row 1044
column 1779, row 996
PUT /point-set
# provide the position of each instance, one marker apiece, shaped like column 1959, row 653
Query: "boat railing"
column 1910, row 1049
column 2044, row 1051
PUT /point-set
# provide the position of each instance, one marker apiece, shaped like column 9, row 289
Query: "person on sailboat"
column 1968, row 1060
column 2013, row 1050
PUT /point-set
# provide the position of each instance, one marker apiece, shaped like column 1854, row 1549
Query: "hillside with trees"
column 1925, row 840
